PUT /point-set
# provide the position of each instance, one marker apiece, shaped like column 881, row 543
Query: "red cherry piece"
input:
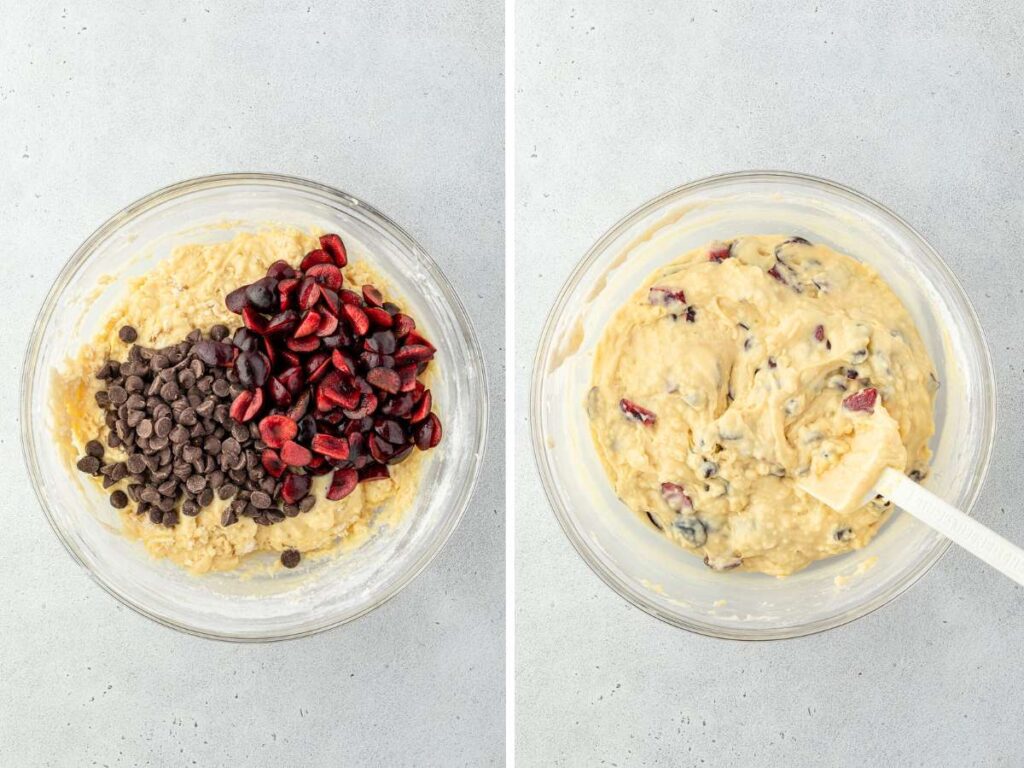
column 332, row 447
column 402, row 324
column 330, row 299
column 413, row 353
column 372, row 296
column 313, row 258
column 326, row 274
column 254, row 321
column 350, row 297
column 414, row 337
column 295, row 488
column 428, row 433
column 246, row 405
column 308, row 326
column 407, row 373
column 317, row 366
column 373, row 472
column 675, row 496
column 357, row 319
column 635, row 412
column 295, row 455
column 862, row 401
column 272, row 463
column 279, row 393
column 384, row 379
column 304, row 344
column 379, row 318
column 341, row 362
column 284, row 322
column 309, row 293
column 422, row 408
column 328, row 324
column 719, row 252
column 276, row 430
column 342, row 484
column 335, row 246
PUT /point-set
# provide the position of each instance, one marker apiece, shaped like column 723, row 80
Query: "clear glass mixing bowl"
column 321, row 592
column 645, row 567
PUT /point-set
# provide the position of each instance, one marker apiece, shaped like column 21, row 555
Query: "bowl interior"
column 644, row 566
column 321, row 592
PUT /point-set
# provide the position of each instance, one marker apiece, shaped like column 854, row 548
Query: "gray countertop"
column 919, row 105
column 400, row 103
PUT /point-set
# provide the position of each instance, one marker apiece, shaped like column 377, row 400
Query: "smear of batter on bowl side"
column 182, row 293
column 740, row 367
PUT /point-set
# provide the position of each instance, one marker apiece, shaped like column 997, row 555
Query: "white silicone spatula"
column 863, row 473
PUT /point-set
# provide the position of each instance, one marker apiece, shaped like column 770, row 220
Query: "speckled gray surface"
column 398, row 102
column 919, row 105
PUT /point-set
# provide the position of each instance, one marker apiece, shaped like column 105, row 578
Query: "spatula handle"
column 953, row 524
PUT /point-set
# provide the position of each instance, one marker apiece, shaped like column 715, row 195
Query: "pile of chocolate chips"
column 169, row 411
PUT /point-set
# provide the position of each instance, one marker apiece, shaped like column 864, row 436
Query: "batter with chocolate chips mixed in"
column 742, row 367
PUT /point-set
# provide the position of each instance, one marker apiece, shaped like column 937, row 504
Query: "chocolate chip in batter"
column 127, row 334
column 89, row 464
column 290, row 558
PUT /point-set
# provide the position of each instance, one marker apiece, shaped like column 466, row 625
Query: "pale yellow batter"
column 184, row 292
column 740, row 359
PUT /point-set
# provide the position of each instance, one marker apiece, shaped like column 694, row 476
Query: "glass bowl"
column 321, row 592
column 645, row 567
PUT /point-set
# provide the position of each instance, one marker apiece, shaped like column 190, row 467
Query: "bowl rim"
column 542, row 460
column 295, row 183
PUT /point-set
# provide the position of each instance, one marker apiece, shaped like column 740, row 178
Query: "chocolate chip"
column 221, row 388
column 195, row 484
column 170, row 392
column 119, row 500
column 89, row 465
column 290, row 558
column 218, row 332
column 127, row 334
column 226, row 491
column 145, row 428
column 117, row 394
column 189, row 508
column 307, row 503
column 261, row 500
column 150, row 495
column 94, row 448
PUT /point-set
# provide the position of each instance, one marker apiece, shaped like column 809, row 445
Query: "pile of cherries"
column 330, row 375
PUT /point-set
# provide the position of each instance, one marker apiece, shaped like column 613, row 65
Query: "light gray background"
column 921, row 108
column 400, row 103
